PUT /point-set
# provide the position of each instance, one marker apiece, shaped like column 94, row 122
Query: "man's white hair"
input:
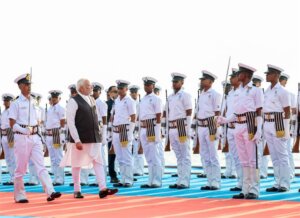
column 80, row 83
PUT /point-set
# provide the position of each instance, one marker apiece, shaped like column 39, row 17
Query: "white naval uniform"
column 208, row 104
column 290, row 142
column 123, row 109
column 102, row 112
column 151, row 105
column 90, row 156
column 231, row 141
column 33, row 177
column 247, row 99
column 179, row 103
column 276, row 99
column 55, row 114
column 138, row 159
column 8, row 151
column 27, row 147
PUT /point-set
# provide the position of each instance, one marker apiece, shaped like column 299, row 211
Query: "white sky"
column 64, row 40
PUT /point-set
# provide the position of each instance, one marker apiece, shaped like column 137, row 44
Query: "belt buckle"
column 268, row 116
column 239, row 119
column 30, row 129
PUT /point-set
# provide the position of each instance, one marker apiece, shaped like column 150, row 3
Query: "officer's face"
column 113, row 93
column 205, row 83
column 55, row 100
column 234, row 81
column 134, row 95
column 283, row 82
column 6, row 103
column 271, row 77
column 96, row 94
column 242, row 76
column 122, row 91
column 148, row 88
column 25, row 88
column 177, row 84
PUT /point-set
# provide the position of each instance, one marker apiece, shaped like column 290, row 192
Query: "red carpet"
column 120, row 206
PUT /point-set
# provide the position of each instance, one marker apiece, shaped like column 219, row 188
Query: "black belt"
column 34, row 129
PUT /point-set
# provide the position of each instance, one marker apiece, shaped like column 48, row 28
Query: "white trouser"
column 279, row 156
column 152, row 154
column 0, row 165
column 84, row 175
column 209, row 152
column 104, row 167
column 56, row 155
column 9, row 158
column 29, row 147
column 290, row 145
column 262, row 160
column 138, row 159
column 100, row 176
column 161, row 150
column 125, row 159
column 247, row 155
column 183, row 156
column 230, row 167
column 33, row 176
column 235, row 156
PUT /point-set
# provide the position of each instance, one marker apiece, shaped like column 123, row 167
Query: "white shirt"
column 150, row 105
column 55, row 114
column 19, row 111
column 40, row 113
column 5, row 119
column 123, row 109
column 293, row 100
column 209, row 103
column 247, row 99
column 229, row 103
column 276, row 99
column 72, row 108
column 179, row 103
column 101, row 109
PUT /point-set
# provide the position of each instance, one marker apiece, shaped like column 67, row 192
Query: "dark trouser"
column 111, row 163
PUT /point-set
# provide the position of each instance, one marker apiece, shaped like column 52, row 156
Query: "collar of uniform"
column 249, row 85
column 275, row 87
column 125, row 97
column 23, row 98
column 149, row 95
column 180, row 91
column 209, row 90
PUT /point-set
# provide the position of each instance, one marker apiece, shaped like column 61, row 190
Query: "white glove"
column 189, row 126
column 219, row 133
column 104, row 135
column 130, row 131
column 157, row 130
column 224, row 120
column 286, row 123
column 18, row 128
column 62, row 138
column 258, row 134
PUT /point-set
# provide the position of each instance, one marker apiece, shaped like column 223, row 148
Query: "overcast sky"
column 64, row 40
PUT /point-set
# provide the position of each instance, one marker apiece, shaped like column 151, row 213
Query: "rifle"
column 297, row 141
column 196, row 150
column 167, row 142
column 46, row 152
column 140, row 148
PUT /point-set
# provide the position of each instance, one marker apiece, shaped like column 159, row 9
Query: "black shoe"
column 251, row 196
column 174, row 175
column 182, row 186
column 273, row 189
column 78, row 195
column 145, row 186
column 7, row 183
column 232, row 177
column 235, row 189
column 57, row 184
column 127, row 185
column 93, row 185
column 214, row 188
column 53, row 196
column 263, row 177
column 112, row 191
column 51, row 174
column 135, row 179
column 205, row 188
column 118, row 185
column 5, row 172
column 173, row 186
column 83, row 184
column 298, row 190
column 114, row 180
column 155, row 186
column 223, row 176
column 22, row 201
column 71, row 184
column 68, row 174
column 201, row 175
column 137, row 174
column 282, row 189
column 30, row 184
column 90, row 174
column 239, row 196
